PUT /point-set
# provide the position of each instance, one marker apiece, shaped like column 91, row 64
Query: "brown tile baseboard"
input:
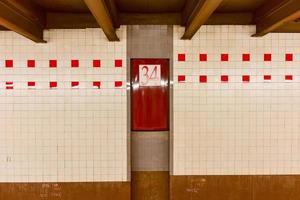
column 65, row 191
column 235, row 187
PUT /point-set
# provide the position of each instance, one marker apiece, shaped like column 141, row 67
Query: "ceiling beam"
column 150, row 19
column 201, row 13
column 23, row 19
column 275, row 14
column 230, row 19
column 113, row 11
column 99, row 9
column 290, row 27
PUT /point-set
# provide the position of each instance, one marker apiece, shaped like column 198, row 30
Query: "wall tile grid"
column 63, row 107
column 236, row 102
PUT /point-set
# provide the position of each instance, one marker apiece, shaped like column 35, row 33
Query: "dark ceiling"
column 31, row 17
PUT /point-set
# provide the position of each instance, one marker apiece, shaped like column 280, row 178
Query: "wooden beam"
column 99, row 10
column 22, row 19
column 275, row 14
column 203, row 11
column 150, row 19
column 290, row 27
column 113, row 11
column 188, row 10
column 58, row 20
column 230, row 19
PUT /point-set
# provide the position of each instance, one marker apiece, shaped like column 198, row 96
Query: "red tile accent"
column 202, row 57
column 288, row 77
column 97, row 84
column 31, row 63
column 246, row 78
column 267, row 57
column 31, row 84
column 181, row 57
column 267, row 77
column 118, row 83
column 96, row 63
column 9, row 63
column 53, row 84
column 74, row 63
column 224, row 78
column 202, row 78
column 224, row 57
column 52, row 63
column 246, row 57
column 74, row 84
column 289, row 57
column 9, row 85
column 118, row 63
column 181, row 78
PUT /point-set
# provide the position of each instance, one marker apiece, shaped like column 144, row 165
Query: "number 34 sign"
column 149, row 75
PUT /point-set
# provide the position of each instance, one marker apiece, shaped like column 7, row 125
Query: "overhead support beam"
column 290, row 27
column 199, row 16
column 230, row 19
column 113, row 11
column 23, row 19
column 275, row 14
column 150, row 19
column 99, row 9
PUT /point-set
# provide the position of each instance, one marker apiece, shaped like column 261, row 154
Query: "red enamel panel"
column 202, row 79
column 31, row 63
column 150, row 104
column 246, row 57
column 267, row 57
column 118, row 83
column 52, row 63
column 9, row 63
column 224, row 78
column 202, row 57
column 224, row 57
column 31, row 84
column 181, row 78
column 53, row 84
column 246, row 78
column 74, row 63
column 288, row 77
column 288, row 57
column 118, row 63
column 97, row 84
column 96, row 63
column 181, row 57
column 267, row 77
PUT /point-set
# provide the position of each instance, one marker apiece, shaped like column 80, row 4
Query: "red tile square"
column 31, row 84
column 96, row 63
column 224, row 78
column 202, row 78
column 74, row 63
column 246, row 57
column 97, row 84
column 289, row 57
column 202, row 57
column 288, row 77
column 31, row 63
column 118, row 63
column 224, row 57
column 118, row 83
column 181, row 57
column 246, row 78
column 9, row 63
column 181, row 78
column 53, row 84
column 74, row 84
column 267, row 57
column 52, row 63
column 267, row 77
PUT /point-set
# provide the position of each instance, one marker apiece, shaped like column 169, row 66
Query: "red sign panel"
column 150, row 94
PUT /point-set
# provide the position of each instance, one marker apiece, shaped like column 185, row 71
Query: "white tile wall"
column 63, row 134
column 235, row 127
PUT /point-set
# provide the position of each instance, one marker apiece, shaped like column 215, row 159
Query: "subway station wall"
column 236, row 102
column 63, row 107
